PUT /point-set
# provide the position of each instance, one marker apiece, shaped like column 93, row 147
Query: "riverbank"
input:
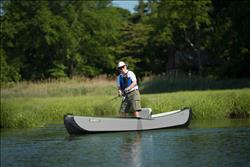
column 104, row 86
column 35, row 104
column 23, row 112
column 59, row 88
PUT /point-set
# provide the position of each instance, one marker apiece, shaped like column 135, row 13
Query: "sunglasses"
column 119, row 68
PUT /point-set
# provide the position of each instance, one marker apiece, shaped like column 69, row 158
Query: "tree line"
column 54, row 39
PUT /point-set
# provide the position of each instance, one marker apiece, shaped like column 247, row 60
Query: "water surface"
column 204, row 143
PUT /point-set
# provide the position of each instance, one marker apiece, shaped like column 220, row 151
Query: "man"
column 127, row 87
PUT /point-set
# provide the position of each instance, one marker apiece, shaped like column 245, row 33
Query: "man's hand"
column 119, row 92
column 126, row 90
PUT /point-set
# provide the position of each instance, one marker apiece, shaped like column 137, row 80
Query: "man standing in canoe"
column 127, row 87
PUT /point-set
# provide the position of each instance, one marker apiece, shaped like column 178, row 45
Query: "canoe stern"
column 187, row 123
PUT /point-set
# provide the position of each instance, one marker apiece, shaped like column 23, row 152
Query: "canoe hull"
column 85, row 125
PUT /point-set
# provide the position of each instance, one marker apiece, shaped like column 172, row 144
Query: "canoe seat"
column 146, row 113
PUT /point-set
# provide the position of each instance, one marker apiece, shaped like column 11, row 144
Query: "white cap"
column 120, row 64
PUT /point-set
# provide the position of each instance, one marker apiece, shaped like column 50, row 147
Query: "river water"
column 215, row 143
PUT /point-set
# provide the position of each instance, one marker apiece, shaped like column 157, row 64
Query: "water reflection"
column 131, row 149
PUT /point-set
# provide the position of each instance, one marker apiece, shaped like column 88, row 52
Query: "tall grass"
column 29, row 104
column 219, row 104
column 59, row 88
column 32, row 112
column 159, row 84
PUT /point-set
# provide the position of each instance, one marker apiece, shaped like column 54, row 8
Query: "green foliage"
column 230, row 41
column 73, row 34
column 8, row 73
column 132, row 45
column 178, row 26
column 53, row 39
column 58, row 71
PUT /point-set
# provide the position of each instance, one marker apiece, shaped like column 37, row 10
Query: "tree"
column 8, row 73
column 44, row 39
column 60, row 38
column 230, row 41
column 180, row 26
column 134, row 39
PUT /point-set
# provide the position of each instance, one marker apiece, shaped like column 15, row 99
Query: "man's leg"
column 136, row 114
column 124, row 108
column 136, row 108
column 136, row 103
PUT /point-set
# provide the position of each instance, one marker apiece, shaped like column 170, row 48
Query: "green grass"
column 217, row 104
column 171, row 84
column 59, row 88
column 33, row 112
column 29, row 104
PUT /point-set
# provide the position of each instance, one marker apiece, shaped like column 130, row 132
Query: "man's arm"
column 132, row 85
column 134, row 81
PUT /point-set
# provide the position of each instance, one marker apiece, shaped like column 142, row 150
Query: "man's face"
column 123, row 69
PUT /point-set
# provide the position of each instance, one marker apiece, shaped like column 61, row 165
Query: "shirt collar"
column 125, row 73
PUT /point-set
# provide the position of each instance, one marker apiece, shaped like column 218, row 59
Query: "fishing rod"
column 113, row 98
column 109, row 100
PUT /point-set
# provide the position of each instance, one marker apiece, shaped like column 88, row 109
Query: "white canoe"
column 85, row 124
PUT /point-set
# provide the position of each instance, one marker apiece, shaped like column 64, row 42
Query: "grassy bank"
column 20, row 112
column 59, row 88
column 171, row 84
column 33, row 112
column 103, row 86
column 213, row 104
column 29, row 104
